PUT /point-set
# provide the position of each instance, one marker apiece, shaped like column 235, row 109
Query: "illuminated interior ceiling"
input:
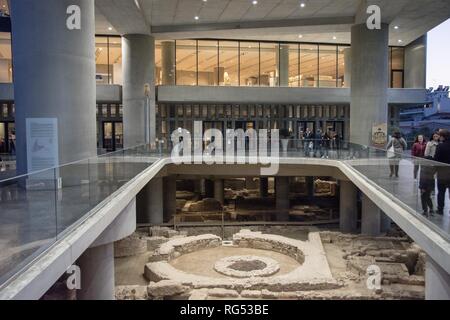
column 326, row 21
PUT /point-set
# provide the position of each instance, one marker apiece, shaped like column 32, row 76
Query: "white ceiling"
column 227, row 18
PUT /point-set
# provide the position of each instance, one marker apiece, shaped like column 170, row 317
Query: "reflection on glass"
column 327, row 67
column 186, row 53
column 115, row 60
column 208, row 69
column 309, row 65
column 294, row 66
column 228, row 63
column 249, row 67
column 269, row 65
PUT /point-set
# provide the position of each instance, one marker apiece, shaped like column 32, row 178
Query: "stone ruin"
column 331, row 265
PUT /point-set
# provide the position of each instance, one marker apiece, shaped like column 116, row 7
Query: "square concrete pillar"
column 348, row 209
column 437, row 281
column 282, row 198
column 219, row 190
column 370, row 217
column 169, row 197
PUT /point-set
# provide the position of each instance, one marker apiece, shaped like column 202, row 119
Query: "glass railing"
column 37, row 209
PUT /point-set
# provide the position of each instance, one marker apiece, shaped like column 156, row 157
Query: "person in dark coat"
column 443, row 172
column 426, row 186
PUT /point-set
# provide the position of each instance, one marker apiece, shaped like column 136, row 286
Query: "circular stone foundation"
column 247, row 266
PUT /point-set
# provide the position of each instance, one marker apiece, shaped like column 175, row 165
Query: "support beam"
column 263, row 187
column 209, row 188
column 97, row 273
column 348, row 209
column 369, row 82
column 437, row 281
column 168, row 62
column 370, row 218
column 282, row 198
column 219, row 190
column 150, row 203
column 139, row 112
column 170, row 197
column 283, row 65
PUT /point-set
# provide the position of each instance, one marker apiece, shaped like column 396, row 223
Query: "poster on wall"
column 379, row 135
column 42, row 145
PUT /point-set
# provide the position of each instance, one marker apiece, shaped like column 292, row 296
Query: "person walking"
column 418, row 152
column 430, row 150
column 443, row 172
column 308, row 138
column 398, row 144
column 426, row 187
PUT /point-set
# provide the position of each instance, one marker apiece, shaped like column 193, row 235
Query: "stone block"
column 131, row 293
column 165, row 288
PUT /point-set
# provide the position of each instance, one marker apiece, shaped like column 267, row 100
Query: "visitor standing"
column 430, row 150
column 398, row 144
column 418, row 152
column 426, row 186
column 308, row 138
column 443, row 172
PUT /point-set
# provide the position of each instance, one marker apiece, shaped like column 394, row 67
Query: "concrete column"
column 310, row 186
column 416, row 64
column 369, row 81
column 209, row 188
column 170, row 197
column 219, row 190
column 263, row 187
column 347, row 67
column 138, row 71
column 54, row 76
column 283, row 65
column 282, row 198
column 348, row 209
column 97, row 273
column 437, row 281
column 370, row 218
column 385, row 223
column 168, row 63
column 150, row 203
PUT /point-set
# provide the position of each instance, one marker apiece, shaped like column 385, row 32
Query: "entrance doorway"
column 7, row 138
column 112, row 136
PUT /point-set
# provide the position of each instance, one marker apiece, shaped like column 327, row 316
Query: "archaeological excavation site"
column 243, row 239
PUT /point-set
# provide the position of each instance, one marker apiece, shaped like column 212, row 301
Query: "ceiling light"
column 302, row 5
column 334, row 38
column 196, row 17
column 300, row 36
column 396, row 27
column 110, row 28
column 400, row 41
column 255, row 2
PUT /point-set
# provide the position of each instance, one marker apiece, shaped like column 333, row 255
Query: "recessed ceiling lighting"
column 396, row 27
column 400, row 41
column 110, row 28
column 300, row 36
column 302, row 5
column 196, row 17
column 255, row 2
column 334, row 37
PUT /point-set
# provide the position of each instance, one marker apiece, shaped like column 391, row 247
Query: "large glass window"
column 294, row 66
column 186, row 59
column 269, row 64
column 327, row 66
column 101, row 60
column 249, row 64
column 228, row 63
column 342, row 82
column 5, row 58
column 309, row 65
column 397, row 67
column 208, row 69
column 108, row 60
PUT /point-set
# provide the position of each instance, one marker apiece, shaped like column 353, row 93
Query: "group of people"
column 437, row 150
column 319, row 143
